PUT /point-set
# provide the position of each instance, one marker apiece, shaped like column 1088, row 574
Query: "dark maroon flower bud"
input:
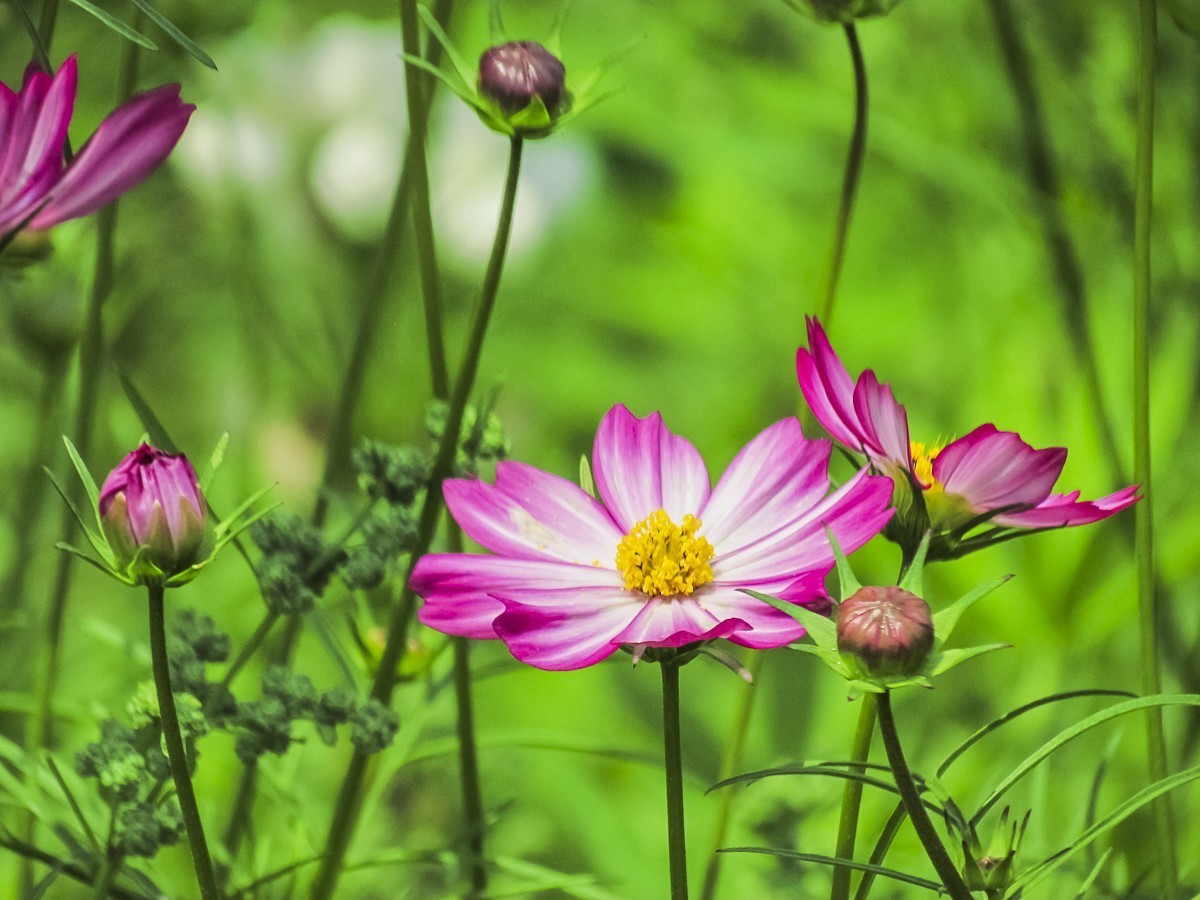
column 512, row 74
column 887, row 628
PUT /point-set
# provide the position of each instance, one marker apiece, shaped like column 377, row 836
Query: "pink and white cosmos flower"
column 660, row 559
column 988, row 476
column 36, row 180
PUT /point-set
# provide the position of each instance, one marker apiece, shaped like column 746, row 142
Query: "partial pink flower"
column 660, row 559
column 986, row 477
column 35, row 178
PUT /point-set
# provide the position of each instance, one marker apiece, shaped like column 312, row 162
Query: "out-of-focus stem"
column 1047, row 195
column 854, row 163
column 847, row 834
column 934, row 849
column 349, row 799
column 1148, row 614
column 47, row 22
column 176, row 755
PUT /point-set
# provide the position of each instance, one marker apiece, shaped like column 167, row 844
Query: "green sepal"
column 946, row 620
column 89, row 483
column 948, row 659
column 914, row 579
column 214, row 462
column 466, row 72
column 95, row 537
column 820, row 628
column 847, row 581
column 91, row 560
column 585, row 477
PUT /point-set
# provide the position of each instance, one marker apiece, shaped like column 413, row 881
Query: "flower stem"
column 934, row 848
column 175, row 751
column 1148, row 613
column 105, row 877
column 349, row 798
column 852, row 797
column 673, row 761
column 418, row 93
column 47, row 22
column 731, row 764
column 850, row 178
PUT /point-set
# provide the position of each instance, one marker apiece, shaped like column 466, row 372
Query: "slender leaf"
column 820, row 628
column 464, row 69
column 1094, row 874
column 946, row 620
column 190, row 46
column 914, row 579
column 74, row 804
column 948, row 659
column 839, row 862
column 89, row 483
column 1069, row 734
column 116, row 25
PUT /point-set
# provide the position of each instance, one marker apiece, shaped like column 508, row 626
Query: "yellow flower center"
column 662, row 559
column 922, row 460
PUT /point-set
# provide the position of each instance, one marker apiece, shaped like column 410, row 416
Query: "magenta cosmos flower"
column 660, row 559
column 988, row 477
column 36, row 181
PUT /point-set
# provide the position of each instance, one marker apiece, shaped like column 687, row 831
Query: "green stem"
column 47, row 22
column 673, row 762
column 731, row 764
column 58, row 864
column 176, row 754
column 1148, row 613
column 1047, row 195
column 106, row 876
column 349, row 799
column 468, row 768
column 934, row 848
column 847, row 834
column 850, row 178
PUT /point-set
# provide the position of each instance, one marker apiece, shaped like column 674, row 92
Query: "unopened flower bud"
column 151, row 505
column 511, row 75
column 887, row 628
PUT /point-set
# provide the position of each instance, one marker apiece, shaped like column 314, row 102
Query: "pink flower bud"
column 151, row 504
column 887, row 628
column 513, row 74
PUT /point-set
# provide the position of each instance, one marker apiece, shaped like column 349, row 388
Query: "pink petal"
column 883, row 422
column 673, row 622
column 531, row 514
column 856, row 513
column 775, row 478
column 566, row 629
column 458, row 587
column 125, row 149
column 33, row 146
column 827, row 387
column 1060, row 510
column 640, row 467
column 993, row 469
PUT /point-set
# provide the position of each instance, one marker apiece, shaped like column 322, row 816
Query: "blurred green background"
column 666, row 248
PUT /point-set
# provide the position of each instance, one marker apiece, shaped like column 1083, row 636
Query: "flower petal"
column 992, row 469
column 531, row 514
column 828, row 388
column 565, row 629
column 129, row 144
column 1061, row 510
column 458, row 587
column 775, row 478
column 856, row 512
column 675, row 621
column 31, row 156
column 768, row 626
column 640, row 467
column 882, row 422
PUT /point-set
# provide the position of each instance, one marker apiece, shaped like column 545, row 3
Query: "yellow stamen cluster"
column 662, row 559
column 922, row 460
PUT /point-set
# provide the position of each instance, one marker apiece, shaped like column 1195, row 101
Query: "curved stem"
column 47, row 22
column 934, row 848
column 1148, row 613
column 175, row 751
column 673, row 761
column 349, row 798
column 852, row 797
column 731, row 764
column 105, row 877
column 854, row 163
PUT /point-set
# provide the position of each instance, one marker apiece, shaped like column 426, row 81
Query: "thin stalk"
column 731, row 764
column 105, row 877
column 673, row 761
column 934, row 848
column 1148, row 613
column 1047, row 195
column 847, row 834
column 418, row 94
column 47, row 22
column 58, row 864
column 91, row 359
column 349, row 799
column 176, row 754
column 850, row 178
